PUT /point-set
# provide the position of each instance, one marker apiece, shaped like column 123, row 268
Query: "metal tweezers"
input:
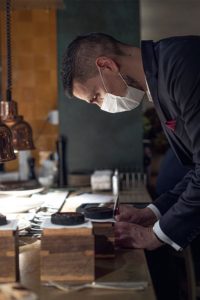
column 130, row 286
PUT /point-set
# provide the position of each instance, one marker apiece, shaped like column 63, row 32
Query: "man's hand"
column 144, row 216
column 129, row 235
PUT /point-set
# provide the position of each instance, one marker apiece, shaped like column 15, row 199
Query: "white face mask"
column 116, row 104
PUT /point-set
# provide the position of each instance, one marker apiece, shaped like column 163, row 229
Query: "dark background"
column 97, row 139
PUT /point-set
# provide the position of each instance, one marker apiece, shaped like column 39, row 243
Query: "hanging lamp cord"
column 8, row 45
column 1, row 35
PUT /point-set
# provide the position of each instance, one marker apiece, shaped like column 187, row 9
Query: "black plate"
column 69, row 218
column 98, row 213
column 3, row 220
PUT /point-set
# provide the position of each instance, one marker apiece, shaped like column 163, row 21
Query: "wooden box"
column 104, row 239
column 67, row 254
column 9, row 255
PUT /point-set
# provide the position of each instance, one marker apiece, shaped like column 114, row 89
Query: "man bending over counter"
column 101, row 70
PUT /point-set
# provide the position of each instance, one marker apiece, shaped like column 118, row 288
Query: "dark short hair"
column 79, row 57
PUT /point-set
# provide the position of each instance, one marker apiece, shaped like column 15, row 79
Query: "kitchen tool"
column 133, row 286
column 116, row 206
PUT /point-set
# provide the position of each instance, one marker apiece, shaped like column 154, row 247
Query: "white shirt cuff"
column 163, row 237
column 155, row 210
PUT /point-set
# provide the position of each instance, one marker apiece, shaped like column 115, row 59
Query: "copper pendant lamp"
column 6, row 145
column 21, row 130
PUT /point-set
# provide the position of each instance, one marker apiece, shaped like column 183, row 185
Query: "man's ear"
column 104, row 62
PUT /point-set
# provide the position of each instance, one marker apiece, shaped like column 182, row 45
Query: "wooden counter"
column 128, row 265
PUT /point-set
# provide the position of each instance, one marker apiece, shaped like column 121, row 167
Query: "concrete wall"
column 164, row 18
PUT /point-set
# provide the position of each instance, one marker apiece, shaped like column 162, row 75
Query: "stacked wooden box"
column 67, row 254
column 104, row 239
column 9, row 256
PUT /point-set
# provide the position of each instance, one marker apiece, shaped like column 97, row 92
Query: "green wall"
column 97, row 139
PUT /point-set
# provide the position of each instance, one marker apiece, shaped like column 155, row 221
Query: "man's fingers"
column 128, row 213
column 129, row 235
column 121, row 226
column 123, row 241
column 122, row 217
column 126, row 228
column 123, row 214
column 123, row 208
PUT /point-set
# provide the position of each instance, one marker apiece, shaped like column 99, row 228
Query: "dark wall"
column 97, row 139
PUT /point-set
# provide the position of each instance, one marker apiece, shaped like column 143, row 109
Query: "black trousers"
column 166, row 273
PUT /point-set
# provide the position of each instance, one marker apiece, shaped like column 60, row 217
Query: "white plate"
column 11, row 204
column 21, row 193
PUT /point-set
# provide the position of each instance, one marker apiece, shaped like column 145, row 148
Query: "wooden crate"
column 67, row 255
column 9, row 255
column 104, row 239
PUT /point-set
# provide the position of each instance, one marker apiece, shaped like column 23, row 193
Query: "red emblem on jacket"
column 171, row 124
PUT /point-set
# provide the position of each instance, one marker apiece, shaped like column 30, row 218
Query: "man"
column 171, row 171
column 115, row 76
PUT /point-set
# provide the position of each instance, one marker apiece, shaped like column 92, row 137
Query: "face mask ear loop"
column 102, row 79
column 120, row 75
